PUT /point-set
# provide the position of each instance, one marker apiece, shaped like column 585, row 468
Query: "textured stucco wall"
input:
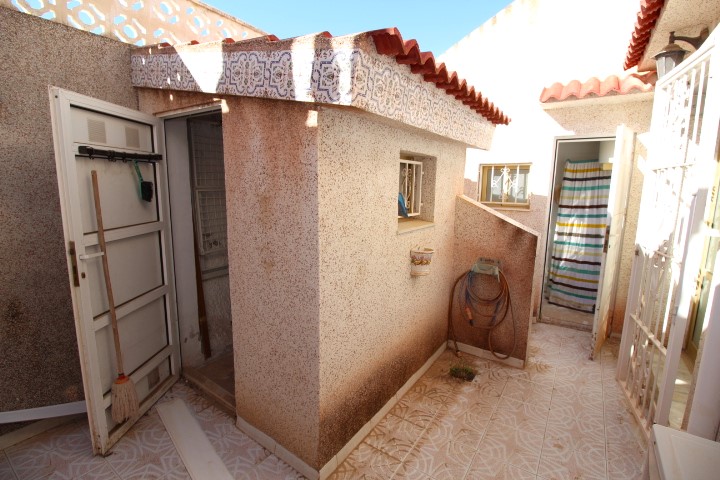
column 378, row 324
column 272, row 206
column 480, row 231
column 39, row 360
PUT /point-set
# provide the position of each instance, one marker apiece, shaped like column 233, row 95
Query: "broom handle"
column 106, row 271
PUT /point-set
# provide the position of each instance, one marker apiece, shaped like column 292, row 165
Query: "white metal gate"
column 679, row 177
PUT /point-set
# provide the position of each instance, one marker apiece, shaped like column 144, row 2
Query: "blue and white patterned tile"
column 341, row 76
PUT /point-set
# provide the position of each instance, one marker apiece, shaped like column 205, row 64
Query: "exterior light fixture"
column 671, row 56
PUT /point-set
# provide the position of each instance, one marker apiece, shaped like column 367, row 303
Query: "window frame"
column 489, row 169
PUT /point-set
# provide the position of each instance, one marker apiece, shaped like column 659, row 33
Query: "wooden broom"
column 123, row 394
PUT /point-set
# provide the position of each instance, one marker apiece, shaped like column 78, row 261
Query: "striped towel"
column 577, row 249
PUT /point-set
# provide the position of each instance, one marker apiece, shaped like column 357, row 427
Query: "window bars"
column 504, row 184
column 410, row 185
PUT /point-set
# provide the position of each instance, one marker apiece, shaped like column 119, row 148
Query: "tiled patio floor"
column 562, row 418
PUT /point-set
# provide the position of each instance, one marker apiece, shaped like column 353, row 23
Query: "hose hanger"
column 484, row 313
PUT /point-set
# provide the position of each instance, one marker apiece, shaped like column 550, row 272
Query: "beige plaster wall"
column 481, row 231
column 39, row 361
column 378, row 325
column 271, row 178
column 567, row 44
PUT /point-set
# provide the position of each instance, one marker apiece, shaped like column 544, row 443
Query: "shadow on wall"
column 481, row 231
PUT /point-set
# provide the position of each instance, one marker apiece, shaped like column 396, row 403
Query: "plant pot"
column 420, row 261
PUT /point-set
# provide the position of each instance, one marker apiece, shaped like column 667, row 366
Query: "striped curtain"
column 577, row 248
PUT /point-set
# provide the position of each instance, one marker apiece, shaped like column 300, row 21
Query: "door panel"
column 119, row 192
column 135, row 268
column 139, row 254
column 135, row 349
column 617, row 208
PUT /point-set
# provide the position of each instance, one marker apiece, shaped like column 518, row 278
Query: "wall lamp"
column 671, row 56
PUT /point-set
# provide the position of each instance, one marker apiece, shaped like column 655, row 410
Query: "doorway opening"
column 576, row 237
column 197, row 199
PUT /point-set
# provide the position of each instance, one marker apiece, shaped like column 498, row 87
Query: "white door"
column 139, row 253
column 617, row 208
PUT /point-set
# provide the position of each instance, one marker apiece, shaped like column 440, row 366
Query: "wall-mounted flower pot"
column 420, row 261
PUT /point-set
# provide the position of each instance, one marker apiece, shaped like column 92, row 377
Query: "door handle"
column 606, row 243
column 73, row 263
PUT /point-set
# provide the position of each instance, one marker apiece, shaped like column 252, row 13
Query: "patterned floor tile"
column 516, row 414
column 570, row 432
column 416, row 408
column 150, row 453
column 490, row 468
column 573, row 464
column 487, row 383
column 470, row 397
column 537, row 372
column 394, row 436
column 272, row 468
column 625, row 462
column 576, row 404
column 179, row 473
column 585, row 382
column 405, row 472
column 240, row 459
column 500, row 370
column 366, row 462
column 433, row 389
column 6, row 471
column 103, row 472
column 520, row 447
column 443, row 461
column 444, row 429
column 629, row 434
column 528, row 392
column 71, row 458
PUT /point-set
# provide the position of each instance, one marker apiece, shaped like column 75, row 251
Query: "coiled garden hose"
column 474, row 309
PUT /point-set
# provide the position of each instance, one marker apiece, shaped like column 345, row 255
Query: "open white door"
column 139, row 253
column 617, row 208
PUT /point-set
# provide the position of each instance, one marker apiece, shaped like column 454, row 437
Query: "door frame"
column 550, row 225
column 185, row 275
column 61, row 102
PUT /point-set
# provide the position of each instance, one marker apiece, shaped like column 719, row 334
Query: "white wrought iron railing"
column 678, row 178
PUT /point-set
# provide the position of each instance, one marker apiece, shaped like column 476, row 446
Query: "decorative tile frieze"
column 336, row 76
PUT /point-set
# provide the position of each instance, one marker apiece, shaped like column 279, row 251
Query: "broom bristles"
column 124, row 399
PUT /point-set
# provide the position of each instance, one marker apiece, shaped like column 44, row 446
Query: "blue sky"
column 436, row 25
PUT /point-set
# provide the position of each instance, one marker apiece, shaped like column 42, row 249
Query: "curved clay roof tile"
column 389, row 41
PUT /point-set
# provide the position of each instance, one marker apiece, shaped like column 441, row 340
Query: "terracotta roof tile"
column 595, row 87
column 388, row 41
column 646, row 19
